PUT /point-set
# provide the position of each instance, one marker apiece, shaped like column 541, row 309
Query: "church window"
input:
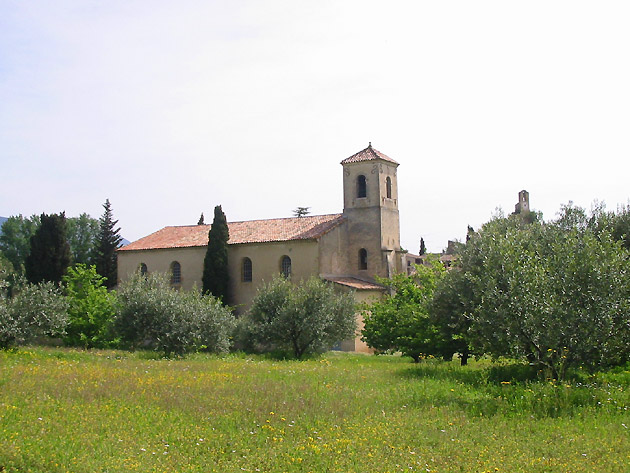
column 363, row 258
column 176, row 273
column 247, row 270
column 143, row 269
column 285, row 266
column 388, row 187
column 361, row 186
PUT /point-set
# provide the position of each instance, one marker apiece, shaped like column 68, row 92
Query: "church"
column 348, row 249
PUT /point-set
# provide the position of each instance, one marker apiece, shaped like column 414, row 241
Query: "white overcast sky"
column 169, row 108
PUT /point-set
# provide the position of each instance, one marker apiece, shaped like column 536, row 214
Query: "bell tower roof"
column 368, row 154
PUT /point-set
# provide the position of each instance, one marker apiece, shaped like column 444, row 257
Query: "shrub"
column 35, row 310
column 90, row 308
column 310, row 317
column 152, row 314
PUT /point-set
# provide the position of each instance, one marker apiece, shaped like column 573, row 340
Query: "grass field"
column 106, row 411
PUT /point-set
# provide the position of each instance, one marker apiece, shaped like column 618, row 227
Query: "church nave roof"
column 252, row 231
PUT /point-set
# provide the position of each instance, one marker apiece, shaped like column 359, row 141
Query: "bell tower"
column 370, row 198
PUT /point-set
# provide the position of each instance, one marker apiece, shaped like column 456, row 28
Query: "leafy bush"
column 150, row 313
column 401, row 321
column 310, row 317
column 90, row 308
column 35, row 310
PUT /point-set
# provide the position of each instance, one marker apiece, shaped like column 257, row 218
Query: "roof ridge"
column 287, row 218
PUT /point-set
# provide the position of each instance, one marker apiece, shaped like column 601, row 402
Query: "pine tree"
column 201, row 220
column 215, row 264
column 49, row 255
column 301, row 211
column 107, row 243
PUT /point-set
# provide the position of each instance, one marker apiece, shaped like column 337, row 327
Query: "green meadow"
column 112, row 411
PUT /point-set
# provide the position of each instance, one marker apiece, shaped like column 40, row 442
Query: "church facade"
column 348, row 249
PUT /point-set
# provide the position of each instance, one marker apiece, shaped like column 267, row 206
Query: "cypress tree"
column 215, row 264
column 49, row 255
column 108, row 241
column 423, row 249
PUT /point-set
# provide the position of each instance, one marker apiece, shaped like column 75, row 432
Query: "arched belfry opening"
column 361, row 186
column 363, row 259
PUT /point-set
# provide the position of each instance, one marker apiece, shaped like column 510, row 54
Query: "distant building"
column 447, row 258
column 522, row 207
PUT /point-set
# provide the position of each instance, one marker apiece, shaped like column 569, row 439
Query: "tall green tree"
column 423, row 248
column 108, row 241
column 215, row 277
column 15, row 239
column 401, row 322
column 49, row 255
column 90, row 308
column 83, row 233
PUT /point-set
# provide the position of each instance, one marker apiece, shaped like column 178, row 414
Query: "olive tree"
column 555, row 294
column 34, row 311
column 309, row 317
column 449, row 310
column 151, row 314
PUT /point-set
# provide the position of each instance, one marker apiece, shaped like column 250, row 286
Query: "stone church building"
column 349, row 249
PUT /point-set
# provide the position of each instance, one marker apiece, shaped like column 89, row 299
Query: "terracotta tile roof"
column 355, row 283
column 253, row 231
column 368, row 154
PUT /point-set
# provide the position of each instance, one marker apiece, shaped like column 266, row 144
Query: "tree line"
column 42, row 248
column 554, row 294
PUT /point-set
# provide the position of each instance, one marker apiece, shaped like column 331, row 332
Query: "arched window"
column 285, row 266
column 361, row 186
column 143, row 269
column 362, row 258
column 176, row 273
column 388, row 187
column 247, row 270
